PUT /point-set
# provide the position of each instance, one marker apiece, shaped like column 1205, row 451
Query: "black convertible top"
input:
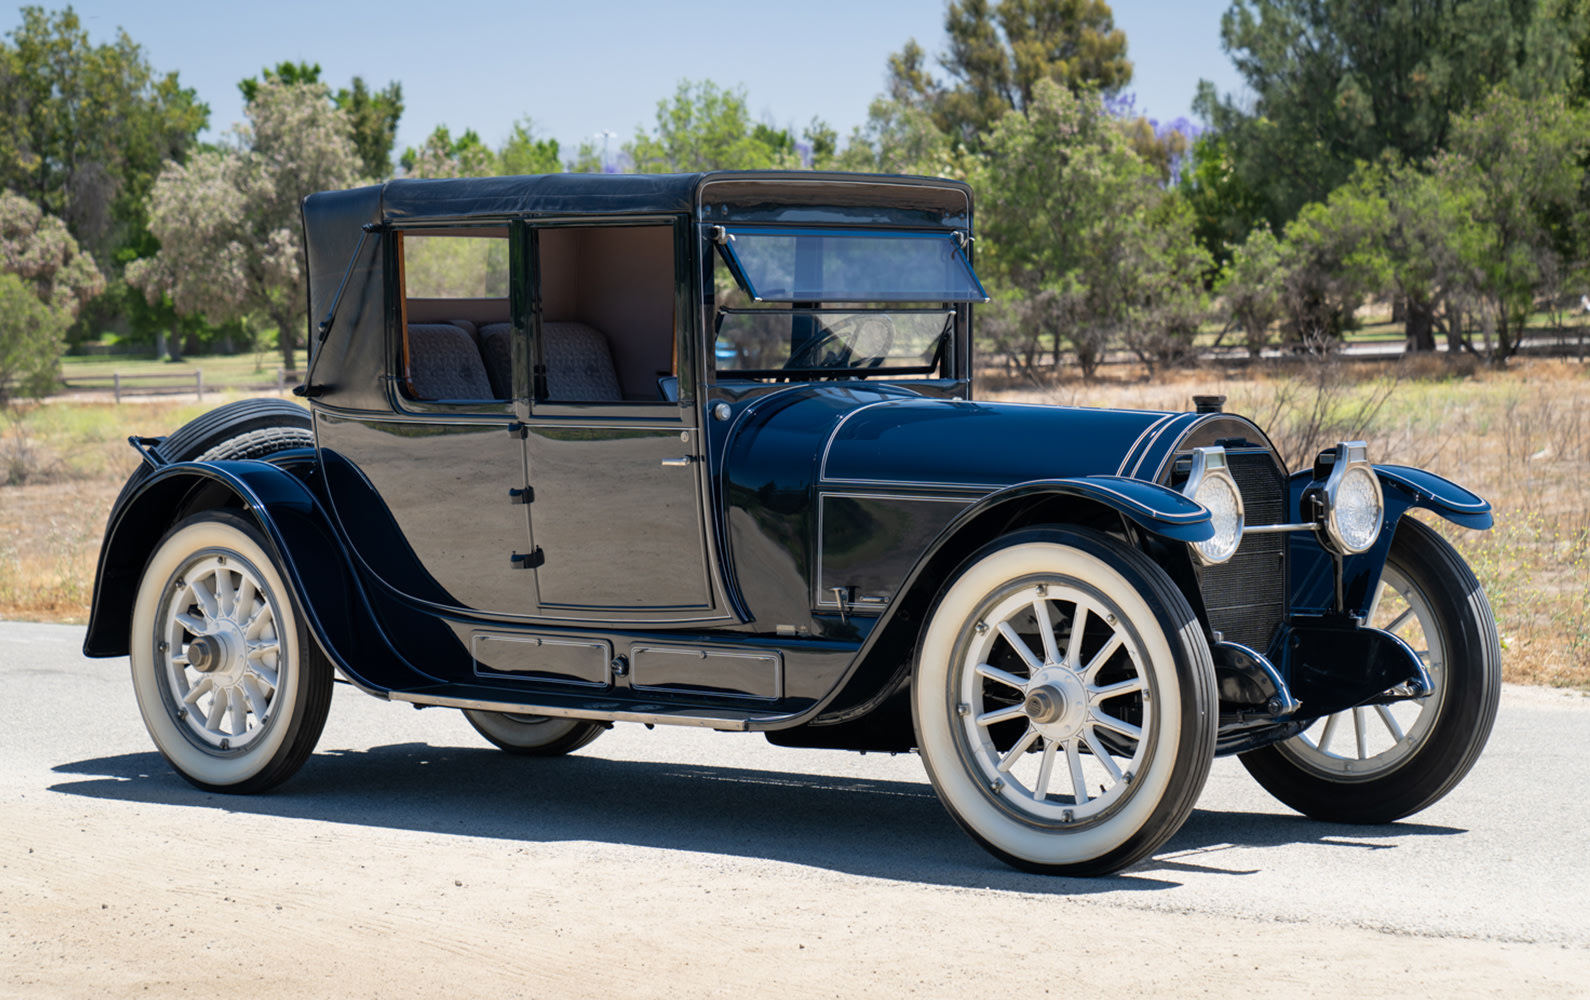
column 336, row 245
column 409, row 200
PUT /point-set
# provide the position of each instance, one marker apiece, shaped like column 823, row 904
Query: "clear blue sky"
column 579, row 68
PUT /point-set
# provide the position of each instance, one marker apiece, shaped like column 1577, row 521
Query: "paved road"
column 409, row 856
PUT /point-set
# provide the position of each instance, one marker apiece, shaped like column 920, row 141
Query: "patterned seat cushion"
column 496, row 346
column 444, row 364
column 579, row 365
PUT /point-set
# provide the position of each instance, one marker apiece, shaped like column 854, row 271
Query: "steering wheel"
column 863, row 337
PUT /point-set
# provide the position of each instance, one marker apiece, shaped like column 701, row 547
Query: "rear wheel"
column 1064, row 702
column 1379, row 763
column 232, row 688
column 533, row 735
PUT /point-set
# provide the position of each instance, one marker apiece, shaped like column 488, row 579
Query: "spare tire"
column 248, row 428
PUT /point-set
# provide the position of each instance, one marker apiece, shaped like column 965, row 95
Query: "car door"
column 431, row 493
column 614, row 467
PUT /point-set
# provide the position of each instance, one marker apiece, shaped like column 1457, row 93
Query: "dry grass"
column 1519, row 437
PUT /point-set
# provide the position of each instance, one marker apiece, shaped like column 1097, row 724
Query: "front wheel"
column 1064, row 702
column 231, row 686
column 1379, row 763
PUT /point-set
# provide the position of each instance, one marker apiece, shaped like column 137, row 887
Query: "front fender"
column 1418, row 488
column 883, row 662
column 309, row 552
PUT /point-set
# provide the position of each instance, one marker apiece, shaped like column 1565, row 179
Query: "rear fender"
column 1150, row 514
column 308, row 551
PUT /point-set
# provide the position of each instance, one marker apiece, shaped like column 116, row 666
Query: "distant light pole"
column 606, row 135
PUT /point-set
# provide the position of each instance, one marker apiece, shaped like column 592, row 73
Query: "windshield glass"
column 782, row 265
column 768, row 340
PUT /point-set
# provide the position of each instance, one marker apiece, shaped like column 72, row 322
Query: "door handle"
column 678, row 463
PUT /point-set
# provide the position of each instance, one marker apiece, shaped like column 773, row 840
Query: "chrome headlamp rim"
column 1210, row 467
column 1352, row 459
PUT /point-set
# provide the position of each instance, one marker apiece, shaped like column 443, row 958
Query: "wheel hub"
column 1057, row 703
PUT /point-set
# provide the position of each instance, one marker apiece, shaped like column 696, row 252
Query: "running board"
column 724, row 720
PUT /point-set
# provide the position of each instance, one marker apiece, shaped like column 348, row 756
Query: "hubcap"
column 220, row 651
column 1054, row 699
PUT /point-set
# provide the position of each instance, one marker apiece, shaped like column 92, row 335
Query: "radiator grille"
column 1246, row 596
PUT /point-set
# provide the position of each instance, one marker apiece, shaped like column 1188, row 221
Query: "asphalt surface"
column 645, row 815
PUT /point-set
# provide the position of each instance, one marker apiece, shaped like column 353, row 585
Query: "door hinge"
column 526, row 495
column 528, row 560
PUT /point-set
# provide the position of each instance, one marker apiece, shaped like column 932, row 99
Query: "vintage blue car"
column 705, row 450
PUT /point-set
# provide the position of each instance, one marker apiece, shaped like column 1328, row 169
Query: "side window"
column 607, row 313
column 457, row 329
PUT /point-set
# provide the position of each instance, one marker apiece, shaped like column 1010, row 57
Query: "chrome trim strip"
column 1150, row 429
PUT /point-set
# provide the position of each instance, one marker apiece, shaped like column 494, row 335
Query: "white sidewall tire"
column 1085, row 848
column 258, row 765
column 533, row 735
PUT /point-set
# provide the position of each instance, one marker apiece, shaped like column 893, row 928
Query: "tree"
column 523, row 153
column 705, row 127
column 372, row 115
column 1227, row 209
column 998, row 52
column 37, row 248
column 228, row 221
column 1333, row 256
column 1518, row 163
column 1250, row 285
column 900, row 138
column 45, row 278
column 32, row 337
column 444, row 156
column 84, row 129
column 1079, row 228
column 1336, row 82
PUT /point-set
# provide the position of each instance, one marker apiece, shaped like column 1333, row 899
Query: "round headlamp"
column 1209, row 483
column 1354, row 504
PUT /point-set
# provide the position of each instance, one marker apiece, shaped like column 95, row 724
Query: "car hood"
column 989, row 445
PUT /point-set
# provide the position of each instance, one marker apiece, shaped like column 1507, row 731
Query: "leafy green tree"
column 1333, row 257
column 85, row 128
column 998, row 52
column 1517, row 162
column 1434, row 244
column 32, row 337
column 704, row 127
column 231, row 238
column 1335, row 82
column 444, row 156
column 45, row 278
column 1226, row 207
column 1090, row 247
column 373, row 115
column 1250, row 285
column 523, row 153
column 901, row 138
column 823, row 142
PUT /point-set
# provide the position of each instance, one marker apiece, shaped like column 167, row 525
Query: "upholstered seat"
column 444, row 363
column 579, row 364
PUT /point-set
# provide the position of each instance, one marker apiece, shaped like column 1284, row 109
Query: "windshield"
column 846, row 303
column 781, row 265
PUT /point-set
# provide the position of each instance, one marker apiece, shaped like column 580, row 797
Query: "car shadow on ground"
column 881, row 829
